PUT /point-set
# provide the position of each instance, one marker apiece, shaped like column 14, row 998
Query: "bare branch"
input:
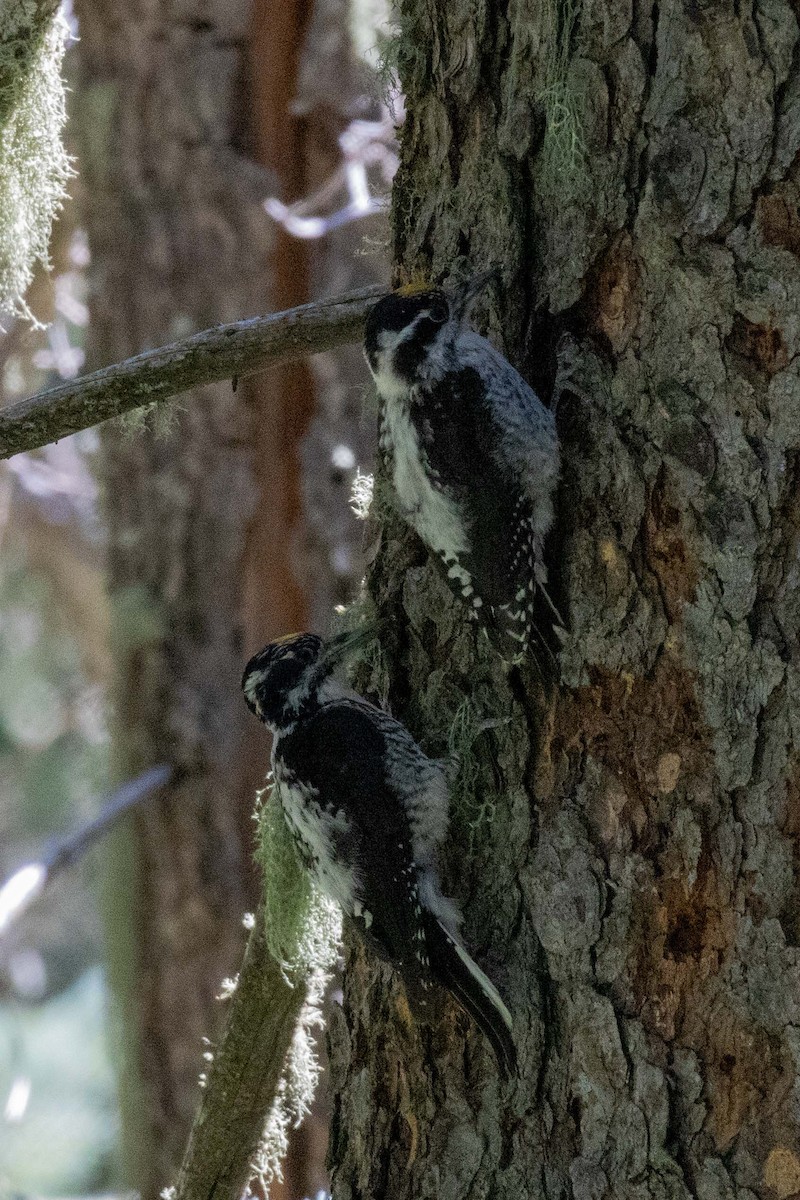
column 27, row 883
column 243, row 1080
column 223, row 352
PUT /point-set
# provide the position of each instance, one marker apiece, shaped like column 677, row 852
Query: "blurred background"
column 231, row 158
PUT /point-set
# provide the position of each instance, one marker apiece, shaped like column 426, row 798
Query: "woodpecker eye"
column 439, row 311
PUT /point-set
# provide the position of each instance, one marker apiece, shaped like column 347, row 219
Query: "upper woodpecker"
column 472, row 452
column 368, row 811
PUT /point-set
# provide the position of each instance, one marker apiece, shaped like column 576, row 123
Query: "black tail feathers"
column 474, row 991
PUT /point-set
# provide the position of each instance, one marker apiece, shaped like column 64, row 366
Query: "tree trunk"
column 211, row 552
column 626, row 846
column 178, row 242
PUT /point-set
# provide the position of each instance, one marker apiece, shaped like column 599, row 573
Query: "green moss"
column 302, row 924
column 463, row 733
column 366, row 663
column 456, row 727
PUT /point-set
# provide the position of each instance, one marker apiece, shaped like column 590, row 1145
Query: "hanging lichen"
column 34, row 166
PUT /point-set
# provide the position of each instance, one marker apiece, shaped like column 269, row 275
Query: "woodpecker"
column 368, row 812
column 471, row 451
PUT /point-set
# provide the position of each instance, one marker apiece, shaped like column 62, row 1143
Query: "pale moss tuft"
column 135, row 422
column 34, row 166
column 159, row 417
column 303, row 930
column 295, row 1092
column 228, row 987
column 361, row 494
column 562, row 158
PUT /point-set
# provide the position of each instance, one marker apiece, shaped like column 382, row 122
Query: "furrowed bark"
column 628, row 855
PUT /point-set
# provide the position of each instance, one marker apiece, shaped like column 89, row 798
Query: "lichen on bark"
column 303, row 932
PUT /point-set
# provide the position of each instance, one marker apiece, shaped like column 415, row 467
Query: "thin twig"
column 223, row 352
column 242, row 1082
column 28, row 882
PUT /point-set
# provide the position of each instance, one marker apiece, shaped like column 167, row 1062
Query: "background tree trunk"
column 173, row 241
column 211, row 549
column 306, row 89
column 628, row 850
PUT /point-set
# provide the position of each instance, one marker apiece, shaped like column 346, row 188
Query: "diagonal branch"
column 223, row 352
column 243, row 1080
column 20, row 890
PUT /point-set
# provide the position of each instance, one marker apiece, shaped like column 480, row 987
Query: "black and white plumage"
column 472, row 452
column 368, row 811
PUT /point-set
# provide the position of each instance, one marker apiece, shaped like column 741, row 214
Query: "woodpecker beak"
column 342, row 645
column 463, row 296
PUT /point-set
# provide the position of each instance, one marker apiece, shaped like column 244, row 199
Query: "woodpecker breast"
column 316, row 828
column 435, row 516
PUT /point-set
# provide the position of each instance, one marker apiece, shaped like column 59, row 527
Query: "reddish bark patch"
column 778, row 218
column 761, row 346
column 790, row 828
column 690, row 929
column 611, row 302
column 630, row 725
column 747, row 1082
column 650, row 736
column 782, row 1172
column 687, row 923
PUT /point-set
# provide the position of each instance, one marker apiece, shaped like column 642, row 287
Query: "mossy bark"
column 628, row 852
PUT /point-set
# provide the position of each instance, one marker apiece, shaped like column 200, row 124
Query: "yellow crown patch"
column 287, row 637
column 414, row 287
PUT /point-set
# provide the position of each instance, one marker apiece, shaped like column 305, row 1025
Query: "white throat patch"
column 387, row 381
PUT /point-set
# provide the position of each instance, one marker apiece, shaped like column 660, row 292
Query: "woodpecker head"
column 283, row 679
column 415, row 326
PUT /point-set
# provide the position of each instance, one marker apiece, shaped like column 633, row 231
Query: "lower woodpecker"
column 368, row 812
